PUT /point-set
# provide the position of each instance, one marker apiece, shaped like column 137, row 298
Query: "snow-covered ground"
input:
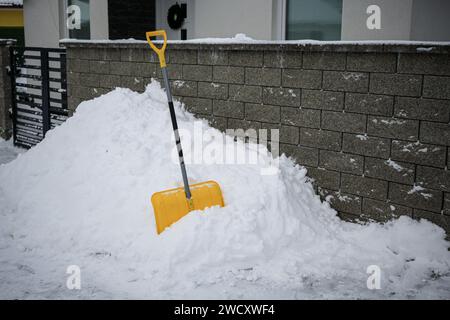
column 82, row 197
column 8, row 152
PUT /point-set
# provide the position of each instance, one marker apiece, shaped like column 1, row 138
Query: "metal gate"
column 39, row 91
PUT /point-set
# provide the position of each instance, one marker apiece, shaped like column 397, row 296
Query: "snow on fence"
column 370, row 121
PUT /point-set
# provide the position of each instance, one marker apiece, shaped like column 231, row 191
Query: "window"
column 313, row 19
column 84, row 32
column 130, row 18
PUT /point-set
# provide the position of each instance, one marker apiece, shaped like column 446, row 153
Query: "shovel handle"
column 159, row 51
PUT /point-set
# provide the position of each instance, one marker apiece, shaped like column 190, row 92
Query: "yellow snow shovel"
column 171, row 205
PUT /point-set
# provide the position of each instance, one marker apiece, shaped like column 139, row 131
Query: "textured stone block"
column 264, row 113
column 110, row 81
column 246, row 93
column 447, row 204
column 263, row 76
column 217, row 122
column 421, row 198
column 213, row 90
column 73, row 102
column 197, row 72
column 324, row 178
column 113, row 54
column 438, row 133
column 184, row 88
column 122, row 68
column 346, row 81
column 300, row 117
column 71, row 53
column 393, row 128
column 342, row 162
column 363, row 186
column 433, row 178
column 324, row 60
column 281, row 96
column 302, row 155
column 132, row 54
column 343, row 121
column 343, row 202
column 417, row 152
column 100, row 67
column 181, row 56
column 282, row 59
column 299, row 78
column 436, row 87
column 435, row 64
column 231, row 109
column 422, row 109
column 285, row 134
column 369, row 103
column 144, row 69
column 390, row 170
column 73, row 79
column 77, row 65
column 289, row 134
column 197, row 105
column 320, row 99
column 321, row 139
column 372, row 62
column 213, row 57
column 246, row 58
column 441, row 220
column 396, row 84
column 383, row 210
column 243, row 124
column 365, row 145
column 228, row 74
column 141, row 69
column 133, row 83
column 80, row 92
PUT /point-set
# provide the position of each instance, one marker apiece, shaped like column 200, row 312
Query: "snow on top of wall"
column 7, row 3
column 241, row 38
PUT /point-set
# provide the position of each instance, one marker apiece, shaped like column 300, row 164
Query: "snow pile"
column 82, row 197
column 7, row 151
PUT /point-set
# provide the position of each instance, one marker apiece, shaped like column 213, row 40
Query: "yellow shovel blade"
column 171, row 205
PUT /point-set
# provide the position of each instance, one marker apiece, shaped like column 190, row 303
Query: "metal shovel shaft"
column 176, row 133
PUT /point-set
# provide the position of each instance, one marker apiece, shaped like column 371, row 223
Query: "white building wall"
column 425, row 20
column 162, row 7
column 99, row 19
column 220, row 18
column 41, row 22
column 395, row 20
column 45, row 21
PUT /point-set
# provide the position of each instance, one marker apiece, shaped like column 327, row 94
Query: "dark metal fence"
column 39, row 90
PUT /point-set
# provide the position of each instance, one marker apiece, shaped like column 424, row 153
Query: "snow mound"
column 8, row 151
column 82, row 197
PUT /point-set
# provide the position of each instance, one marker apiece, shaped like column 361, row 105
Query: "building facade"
column 420, row 20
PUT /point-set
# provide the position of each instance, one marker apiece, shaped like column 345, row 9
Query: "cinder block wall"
column 368, row 121
column 5, row 90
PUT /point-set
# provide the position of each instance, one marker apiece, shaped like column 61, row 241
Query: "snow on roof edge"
column 276, row 42
column 10, row 3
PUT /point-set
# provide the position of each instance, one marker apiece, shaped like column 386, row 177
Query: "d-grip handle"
column 159, row 51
